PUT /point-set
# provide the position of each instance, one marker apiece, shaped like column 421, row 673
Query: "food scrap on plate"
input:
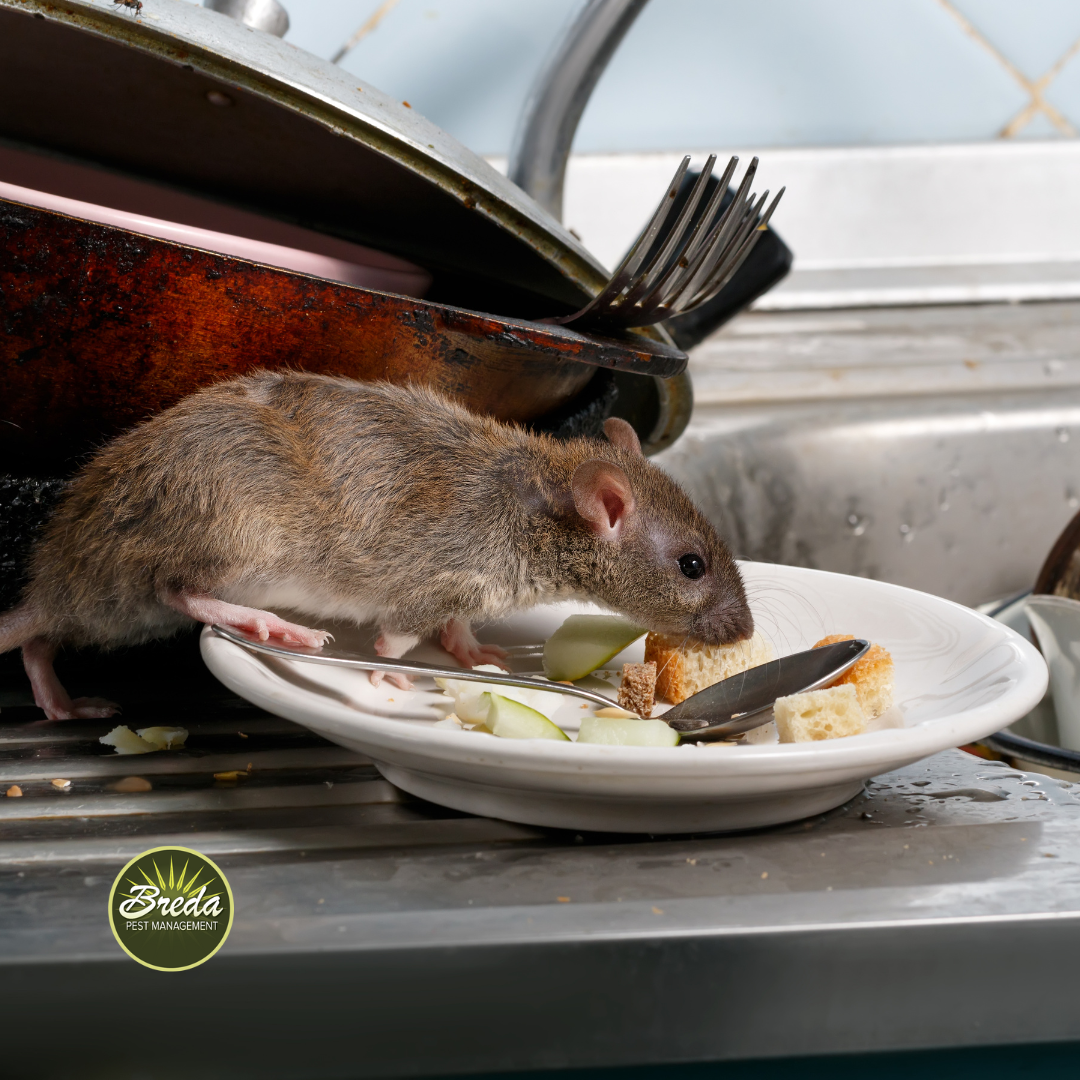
column 675, row 669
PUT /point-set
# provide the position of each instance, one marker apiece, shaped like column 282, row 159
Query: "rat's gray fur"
column 363, row 501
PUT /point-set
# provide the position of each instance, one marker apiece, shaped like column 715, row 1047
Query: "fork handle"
column 331, row 657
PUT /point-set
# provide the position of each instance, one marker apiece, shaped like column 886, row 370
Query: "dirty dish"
column 959, row 677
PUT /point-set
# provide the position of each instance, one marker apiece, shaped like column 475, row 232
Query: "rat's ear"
column 622, row 435
column 603, row 497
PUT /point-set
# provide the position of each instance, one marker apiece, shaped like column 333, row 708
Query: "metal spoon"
column 719, row 711
column 745, row 701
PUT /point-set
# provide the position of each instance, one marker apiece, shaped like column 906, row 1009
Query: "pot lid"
column 183, row 96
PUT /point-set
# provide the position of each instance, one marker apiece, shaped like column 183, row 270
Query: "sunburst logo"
column 170, row 908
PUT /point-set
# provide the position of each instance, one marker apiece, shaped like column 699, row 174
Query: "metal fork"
column 674, row 271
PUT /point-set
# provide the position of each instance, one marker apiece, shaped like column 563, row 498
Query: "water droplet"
column 1071, row 499
column 857, row 524
column 1063, row 434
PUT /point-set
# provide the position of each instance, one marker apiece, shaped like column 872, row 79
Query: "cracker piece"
column 638, row 688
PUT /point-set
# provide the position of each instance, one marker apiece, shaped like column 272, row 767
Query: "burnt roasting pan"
column 103, row 327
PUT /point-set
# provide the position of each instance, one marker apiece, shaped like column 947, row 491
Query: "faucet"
column 557, row 100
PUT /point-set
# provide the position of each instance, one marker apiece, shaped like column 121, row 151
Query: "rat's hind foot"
column 393, row 647
column 92, row 708
column 50, row 695
column 458, row 640
column 264, row 624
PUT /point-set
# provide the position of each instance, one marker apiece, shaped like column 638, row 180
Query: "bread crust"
column 685, row 666
column 871, row 675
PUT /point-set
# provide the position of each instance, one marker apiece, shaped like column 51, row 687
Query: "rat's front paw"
column 489, row 654
column 291, row 632
column 458, row 640
column 313, row 639
column 398, row 679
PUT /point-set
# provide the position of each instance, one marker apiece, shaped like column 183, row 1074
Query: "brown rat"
column 360, row 501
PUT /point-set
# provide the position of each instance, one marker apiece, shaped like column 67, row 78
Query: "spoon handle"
column 332, row 657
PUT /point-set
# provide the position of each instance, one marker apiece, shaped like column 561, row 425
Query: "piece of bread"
column 871, row 675
column 831, row 713
column 637, row 689
column 685, row 666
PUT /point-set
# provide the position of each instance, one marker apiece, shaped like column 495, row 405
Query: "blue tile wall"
column 704, row 73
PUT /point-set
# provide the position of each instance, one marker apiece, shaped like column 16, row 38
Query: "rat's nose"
column 728, row 623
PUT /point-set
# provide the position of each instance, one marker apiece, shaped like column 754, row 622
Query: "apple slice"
column 585, row 642
column 471, row 698
column 620, row 732
column 511, row 720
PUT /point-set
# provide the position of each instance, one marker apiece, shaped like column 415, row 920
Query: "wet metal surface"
column 932, row 447
column 365, row 916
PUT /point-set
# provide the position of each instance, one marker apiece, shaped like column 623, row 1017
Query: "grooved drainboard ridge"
column 266, row 842
column 110, row 804
column 166, row 763
column 19, row 732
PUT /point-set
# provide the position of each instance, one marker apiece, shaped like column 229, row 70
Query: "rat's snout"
column 729, row 621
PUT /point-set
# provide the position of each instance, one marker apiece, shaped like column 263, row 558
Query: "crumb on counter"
column 129, row 785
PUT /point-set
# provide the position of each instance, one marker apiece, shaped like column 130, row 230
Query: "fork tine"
column 747, row 241
column 644, row 243
column 717, row 254
column 660, row 263
column 709, row 214
column 677, row 270
column 712, row 244
column 717, row 267
column 721, row 264
column 718, row 280
column 747, row 248
column 674, row 266
column 720, row 240
column 638, row 250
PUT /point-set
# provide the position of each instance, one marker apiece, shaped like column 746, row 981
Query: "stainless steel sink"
column 936, row 447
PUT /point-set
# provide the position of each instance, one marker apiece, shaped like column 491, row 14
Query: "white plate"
column 959, row 676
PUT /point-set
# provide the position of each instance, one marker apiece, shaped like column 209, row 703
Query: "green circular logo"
column 170, row 908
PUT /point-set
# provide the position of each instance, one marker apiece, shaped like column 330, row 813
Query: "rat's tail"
column 18, row 626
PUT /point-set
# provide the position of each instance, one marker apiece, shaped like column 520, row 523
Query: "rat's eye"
column 693, row 566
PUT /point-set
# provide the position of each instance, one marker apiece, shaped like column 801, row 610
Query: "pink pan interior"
column 110, row 199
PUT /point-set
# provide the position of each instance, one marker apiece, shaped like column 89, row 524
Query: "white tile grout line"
column 1035, row 88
